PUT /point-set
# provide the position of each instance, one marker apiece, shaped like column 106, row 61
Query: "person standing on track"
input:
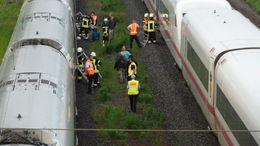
column 132, row 68
column 133, row 88
column 80, row 62
column 85, row 27
column 151, row 23
column 133, row 29
column 105, row 30
column 145, row 20
column 97, row 64
column 89, row 72
column 112, row 25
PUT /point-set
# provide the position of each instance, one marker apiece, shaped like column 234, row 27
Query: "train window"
column 233, row 120
column 198, row 66
column 164, row 13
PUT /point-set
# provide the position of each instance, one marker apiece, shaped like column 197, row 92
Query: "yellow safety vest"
column 95, row 65
column 130, row 71
column 151, row 26
column 85, row 23
column 133, row 87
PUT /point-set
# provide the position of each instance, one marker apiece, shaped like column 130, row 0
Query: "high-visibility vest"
column 133, row 87
column 151, row 26
column 105, row 30
column 96, row 65
column 145, row 23
column 134, row 29
column 94, row 17
column 130, row 71
column 85, row 22
column 90, row 69
column 81, row 62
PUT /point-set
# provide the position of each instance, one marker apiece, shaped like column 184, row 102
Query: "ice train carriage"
column 170, row 14
column 222, row 70
column 214, row 34
column 36, row 76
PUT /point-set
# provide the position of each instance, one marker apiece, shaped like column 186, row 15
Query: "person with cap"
column 151, row 23
column 89, row 72
column 133, row 89
column 97, row 64
column 145, row 20
column 133, row 29
column 105, row 29
column 132, row 68
column 80, row 62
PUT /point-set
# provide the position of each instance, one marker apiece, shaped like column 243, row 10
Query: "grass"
column 255, row 4
column 8, row 17
column 111, row 107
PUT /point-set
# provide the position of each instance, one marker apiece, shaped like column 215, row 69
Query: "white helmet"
column 105, row 19
column 146, row 15
column 79, row 50
column 93, row 54
column 151, row 15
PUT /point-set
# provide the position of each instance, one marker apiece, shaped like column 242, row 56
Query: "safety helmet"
column 79, row 50
column 151, row 15
column 132, row 76
column 146, row 15
column 93, row 54
column 105, row 19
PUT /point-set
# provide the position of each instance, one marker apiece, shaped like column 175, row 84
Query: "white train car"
column 36, row 77
column 170, row 14
column 217, row 49
column 221, row 54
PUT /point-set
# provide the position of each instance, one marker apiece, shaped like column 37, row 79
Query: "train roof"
column 237, row 74
column 218, row 31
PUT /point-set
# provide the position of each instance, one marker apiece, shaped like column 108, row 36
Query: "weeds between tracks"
column 111, row 104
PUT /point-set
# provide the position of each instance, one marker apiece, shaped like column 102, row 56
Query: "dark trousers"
column 132, row 38
column 152, row 36
column 96, row 79
column 133, row 101
column 90, row 81
column 85, row 30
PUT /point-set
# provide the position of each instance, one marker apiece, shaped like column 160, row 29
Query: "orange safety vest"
column 134, row 28
column 90, row 70
column 94, row 17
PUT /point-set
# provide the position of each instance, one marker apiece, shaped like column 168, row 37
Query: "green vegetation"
column 255, row 4
column 8, row 17
column 111, row 107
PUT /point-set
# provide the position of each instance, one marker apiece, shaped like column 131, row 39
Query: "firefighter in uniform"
column 133, row 88
column 85, row 26
column 151, row 23
column 105, row 29
column 89, row 72
column 81, row 59
column 145, row 25
column 133, row 28
column 132, row 68
column 97, row 64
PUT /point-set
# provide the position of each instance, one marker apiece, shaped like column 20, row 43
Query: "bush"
column 152, row 117
column 111, row 118
column 146, row 98
column 132, row 121
column 103, row 94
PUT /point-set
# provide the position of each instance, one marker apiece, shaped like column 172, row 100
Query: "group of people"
column 149, row 28
column 127, row 68
column 125, row 64
column 88, row 66
column 89, row 22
